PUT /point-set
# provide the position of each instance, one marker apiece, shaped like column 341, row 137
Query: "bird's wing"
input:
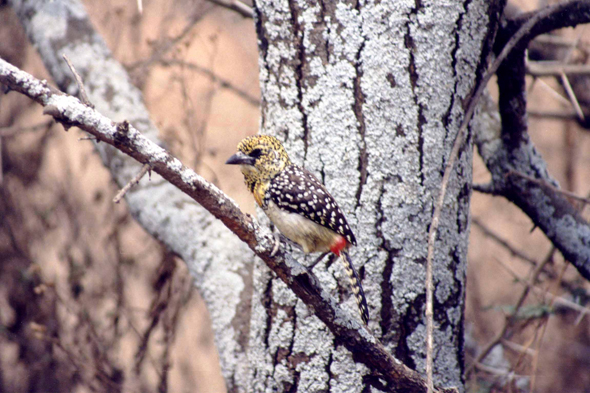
column 298, row 191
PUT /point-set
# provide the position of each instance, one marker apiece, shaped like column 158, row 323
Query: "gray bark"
column 518, row 171
column 369, row 98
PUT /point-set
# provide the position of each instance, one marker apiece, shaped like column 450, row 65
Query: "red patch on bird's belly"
column 339, row 245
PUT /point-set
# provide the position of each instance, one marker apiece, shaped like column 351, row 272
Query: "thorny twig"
column 144, row 169
column 511, row 318
column 84, row 98
column 82, row 90
column 572, row 96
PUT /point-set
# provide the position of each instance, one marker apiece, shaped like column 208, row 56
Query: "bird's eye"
column 255, row 153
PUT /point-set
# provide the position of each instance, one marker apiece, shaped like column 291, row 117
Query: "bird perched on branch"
column 297, row 204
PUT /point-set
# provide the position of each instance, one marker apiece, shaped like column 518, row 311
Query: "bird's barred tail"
column 357, row 288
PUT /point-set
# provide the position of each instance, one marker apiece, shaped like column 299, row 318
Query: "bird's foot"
column 277, row 244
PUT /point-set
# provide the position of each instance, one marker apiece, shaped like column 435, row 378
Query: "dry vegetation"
column 88, row 300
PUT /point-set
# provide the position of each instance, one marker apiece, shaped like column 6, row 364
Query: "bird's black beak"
column 240, row 159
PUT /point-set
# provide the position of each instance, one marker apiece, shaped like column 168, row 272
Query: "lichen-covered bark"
column 513, row 160
column 369, row 97
column 218, row 261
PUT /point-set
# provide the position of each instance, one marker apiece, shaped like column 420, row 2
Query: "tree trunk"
column 369, row 97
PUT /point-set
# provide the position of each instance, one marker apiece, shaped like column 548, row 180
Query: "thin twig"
column 572, row 96
column 554, row 298
column 83, row 97
column 165, row 46
column 533, row 83
column 237, row 6
column 514, row 40
column 549, row 68
column 489, row 233
column 554, row 92
column 565, row 303
column 570, row 51
column 197, row 129
column 132, row 182
column 223, row 83
column 551, row 187
column 519, row 254
column 544, row 323
column 527, row 347
column 510, row 375
column 509, row 269
column 11, row 131
column 557, row 40
column 485, row 188
column 548, row 114
column 511, row 318
column 517, row 347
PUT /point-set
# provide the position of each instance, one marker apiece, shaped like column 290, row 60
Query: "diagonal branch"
column 70, row 112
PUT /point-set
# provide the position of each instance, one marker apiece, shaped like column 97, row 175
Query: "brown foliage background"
column 90, row 302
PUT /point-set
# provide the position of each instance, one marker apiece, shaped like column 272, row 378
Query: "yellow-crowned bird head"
column 261, row 158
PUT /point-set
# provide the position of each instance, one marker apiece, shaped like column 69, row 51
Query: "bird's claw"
column 276, row 246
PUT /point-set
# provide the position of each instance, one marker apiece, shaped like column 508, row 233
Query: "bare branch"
column 133, row 182
column 237, row 6
column 557, row 16
column 489, row 233
column 83, row 96
column 11, row 131
column 223, row 83
column 165, row 45
column 510, row 148
column 71, row 112
column 548, row 185
column 547, row 68
column 572, row 96
column 159, row 206
column 554, row 93
column 486, row 188
column 557, row 40
column 510, row 320
column 548, row 114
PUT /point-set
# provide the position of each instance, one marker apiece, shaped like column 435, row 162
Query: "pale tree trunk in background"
column 218, row 261
column 369, row 97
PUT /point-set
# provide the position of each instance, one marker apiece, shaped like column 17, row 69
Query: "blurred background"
column 88, row 299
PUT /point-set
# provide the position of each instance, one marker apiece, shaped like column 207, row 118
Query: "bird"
column 297, row 204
